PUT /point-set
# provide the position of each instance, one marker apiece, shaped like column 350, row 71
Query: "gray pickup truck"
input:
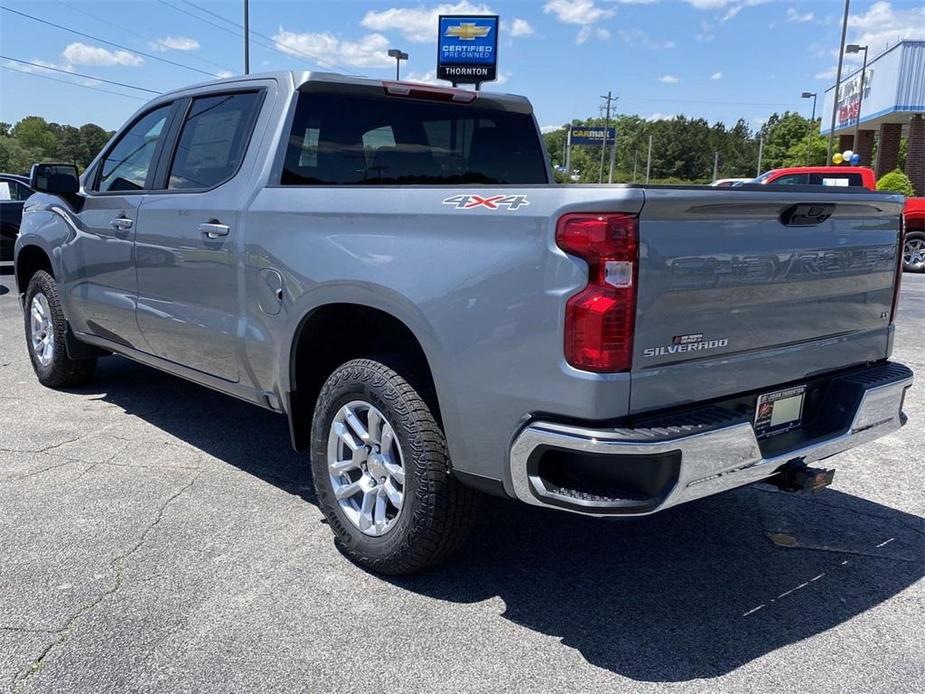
column 391, row 266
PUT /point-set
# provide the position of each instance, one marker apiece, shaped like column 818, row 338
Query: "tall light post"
column 855, row 48
column 399, row 56
column 247, row 39
column 841, row 55
column 809, row 137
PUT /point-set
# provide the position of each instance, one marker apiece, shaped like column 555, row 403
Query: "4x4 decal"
column 492, row 202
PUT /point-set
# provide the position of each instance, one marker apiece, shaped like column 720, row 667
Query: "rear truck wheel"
column 382, row 472
column 914, row 252
column 45, row 335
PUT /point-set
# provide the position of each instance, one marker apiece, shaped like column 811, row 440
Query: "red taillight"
column 600, row 319
column 899, row 268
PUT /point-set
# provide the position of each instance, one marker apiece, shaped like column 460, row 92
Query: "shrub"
column 896, row 182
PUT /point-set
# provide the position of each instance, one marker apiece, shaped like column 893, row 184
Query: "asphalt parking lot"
column 158, row 537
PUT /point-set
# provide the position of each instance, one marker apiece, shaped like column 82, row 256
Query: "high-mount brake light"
column 423, row 91
column 600, row 319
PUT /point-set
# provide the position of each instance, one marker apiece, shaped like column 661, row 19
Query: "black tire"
column 437, row 510
column 61, row 371
column 913, row 253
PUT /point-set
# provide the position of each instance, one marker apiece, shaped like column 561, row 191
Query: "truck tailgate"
column 737, row 291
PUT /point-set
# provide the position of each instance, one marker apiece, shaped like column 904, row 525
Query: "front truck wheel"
column 45, row 337
column 381, row 472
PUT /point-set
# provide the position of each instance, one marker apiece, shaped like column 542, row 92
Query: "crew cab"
column 391, row 267
column 863, row 176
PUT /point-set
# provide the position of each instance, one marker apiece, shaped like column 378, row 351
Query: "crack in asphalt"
column 117, row 565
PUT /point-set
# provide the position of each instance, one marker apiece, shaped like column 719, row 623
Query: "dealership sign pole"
column 467, row 49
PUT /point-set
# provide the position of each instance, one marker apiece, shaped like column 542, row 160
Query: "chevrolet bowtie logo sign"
column 467, row 31
column 467, row 49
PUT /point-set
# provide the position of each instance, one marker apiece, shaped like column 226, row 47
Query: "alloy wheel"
column 366, row 467
column 41, row 330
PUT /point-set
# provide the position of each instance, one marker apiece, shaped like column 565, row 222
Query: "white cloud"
column 330, row 51
column 222, row 74
column 175, row 43
column 708, row 4
column 546, row 129
column 419, row 24
column 794, row 16
column 82, row 54
column 660, row 116
column 429, row 77
column 577, row 11
column 881, row 26
column 716, row 76
column 53, row 70
column 637, row 37
column 705, row 35
column 668, row 79
column 587, row 32
column 520, row 27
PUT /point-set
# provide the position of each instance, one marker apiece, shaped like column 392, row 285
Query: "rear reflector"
column 601, row 318
column 423, row 91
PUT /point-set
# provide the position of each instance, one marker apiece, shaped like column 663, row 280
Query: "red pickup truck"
column 913, row 213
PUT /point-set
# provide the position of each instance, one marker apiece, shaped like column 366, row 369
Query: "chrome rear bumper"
column 714, row 458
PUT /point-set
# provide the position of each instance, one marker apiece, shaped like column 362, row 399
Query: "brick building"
column 891, row 107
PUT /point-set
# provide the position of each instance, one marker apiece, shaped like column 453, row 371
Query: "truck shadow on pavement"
column 694, row 592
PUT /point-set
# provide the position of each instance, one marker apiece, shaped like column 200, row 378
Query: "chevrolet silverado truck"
column 913, row 212
column 390, row 266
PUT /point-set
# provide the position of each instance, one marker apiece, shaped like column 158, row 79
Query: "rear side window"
column 128, row 163
column 837, row 180
column 349, row 139
column 213, row 140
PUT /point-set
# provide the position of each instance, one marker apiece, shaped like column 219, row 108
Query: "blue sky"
column 717, row 59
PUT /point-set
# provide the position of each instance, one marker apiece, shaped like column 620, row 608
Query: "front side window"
column 128, row 163
column 365, row 139
column 791, row 180
column 13, row 190
column 213, row 140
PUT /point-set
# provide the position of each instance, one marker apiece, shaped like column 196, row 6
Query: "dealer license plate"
column 779, row 411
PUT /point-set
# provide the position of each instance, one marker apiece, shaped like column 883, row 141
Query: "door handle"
column 213, row 230
column 121, row 223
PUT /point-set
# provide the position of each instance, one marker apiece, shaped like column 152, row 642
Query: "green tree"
column 896, row 182
column 15, row 158
column 35, row 133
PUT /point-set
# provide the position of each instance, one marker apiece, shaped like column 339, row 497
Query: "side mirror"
column 58, row 179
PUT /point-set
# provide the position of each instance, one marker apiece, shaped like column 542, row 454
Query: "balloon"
column 846, row 155
column 855, row 159
column 837, row 158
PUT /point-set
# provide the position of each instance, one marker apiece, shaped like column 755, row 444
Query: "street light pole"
column 609, row 99
column 841, row 55
column 809, row 137
column 855, row 48
column 399, row 56
column 247, row 36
